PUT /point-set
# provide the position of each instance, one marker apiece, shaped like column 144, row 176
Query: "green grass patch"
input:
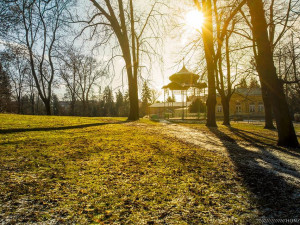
column 104, row 171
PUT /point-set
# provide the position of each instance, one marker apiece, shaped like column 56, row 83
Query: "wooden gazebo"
column 183, row 81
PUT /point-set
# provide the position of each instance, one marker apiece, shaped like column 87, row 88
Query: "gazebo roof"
column 175, row 86
column 185, row 77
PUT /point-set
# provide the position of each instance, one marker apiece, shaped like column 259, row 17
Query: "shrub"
column 197, row 106
column 297, row 117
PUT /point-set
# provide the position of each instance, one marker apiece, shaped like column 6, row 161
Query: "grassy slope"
column 55, row 169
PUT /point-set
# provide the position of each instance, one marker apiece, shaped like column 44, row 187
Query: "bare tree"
column 268, row 75
column 40, row 31
column 17, row 66
column 281, row 16
column 80, row 74
column 88, row 75
column 8, row 17
column 225, row 83
column 69, row 69
column 288, row 58
column 211, row 55
column 135, row 34
column 32, row 92
column 5, row 90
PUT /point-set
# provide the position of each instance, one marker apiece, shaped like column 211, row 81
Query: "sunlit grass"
column 253, row 131
column 115, row 172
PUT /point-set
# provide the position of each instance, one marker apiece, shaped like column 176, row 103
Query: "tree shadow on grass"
column 260, row 171
column 246, row 135
column 19, row 130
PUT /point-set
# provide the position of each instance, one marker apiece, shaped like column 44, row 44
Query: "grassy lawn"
column 243, row 131
column 104, row 171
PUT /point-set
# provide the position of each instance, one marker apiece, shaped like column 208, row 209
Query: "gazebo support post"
column 199, row 95
column 172, row 104
column 182, row 98
column 164, row 103
column 186, row 101
column 205, row 113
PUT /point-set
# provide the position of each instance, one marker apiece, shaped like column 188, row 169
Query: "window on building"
column 252, row 107
column 238, row 107
column 219, row 108
column 261, row 107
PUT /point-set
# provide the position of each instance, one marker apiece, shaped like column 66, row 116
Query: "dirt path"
column 271, row 173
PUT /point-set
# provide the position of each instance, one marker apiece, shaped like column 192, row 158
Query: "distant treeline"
column 108, row 104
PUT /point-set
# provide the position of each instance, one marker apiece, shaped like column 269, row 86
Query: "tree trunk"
column 83, row 108
column 133, row 99
column 267, row 108
column 72, row 108
column 207, row 35
column 267, row 71
column 19, row 105
column 32, row 104
column 225, row 104
column 47, row 106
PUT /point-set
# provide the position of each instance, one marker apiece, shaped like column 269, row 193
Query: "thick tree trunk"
column 47, row 106
column 207, row 35
column 225, row 104
column 267, row 71
column 32, row 101
column 19, row 105
column 83, row 108
column 133, row 100
column 72, row 108
column 267, row 108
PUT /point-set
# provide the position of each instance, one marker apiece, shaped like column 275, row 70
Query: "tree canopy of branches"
column 5, row 90
column 268, row 75
column 39, row 31
column 9, row 17
column 17, row 66
column 134, row 30
column 209, row 32
column 80, row 74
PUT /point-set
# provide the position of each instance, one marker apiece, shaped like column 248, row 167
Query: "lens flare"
column 195, row 19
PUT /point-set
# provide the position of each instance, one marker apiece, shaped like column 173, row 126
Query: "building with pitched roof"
column 245, row 103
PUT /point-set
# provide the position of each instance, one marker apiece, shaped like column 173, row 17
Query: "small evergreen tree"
column 243, row 83
column 197, row 106
column 171, row 99
column 108, row 99
column 55, row 105
column 126, row 104
column 146, row 99
column 119, row 103
column 254, row 83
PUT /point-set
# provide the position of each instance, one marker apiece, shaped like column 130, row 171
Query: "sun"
column 195, row 19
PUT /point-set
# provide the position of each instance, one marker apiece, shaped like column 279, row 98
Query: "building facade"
column 245, row 103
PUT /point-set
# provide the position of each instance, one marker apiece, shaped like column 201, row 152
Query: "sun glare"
column 195, row 19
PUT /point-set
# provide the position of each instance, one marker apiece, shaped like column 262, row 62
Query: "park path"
column 270, row 172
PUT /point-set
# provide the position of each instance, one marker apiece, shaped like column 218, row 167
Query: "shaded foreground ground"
column 104, row 170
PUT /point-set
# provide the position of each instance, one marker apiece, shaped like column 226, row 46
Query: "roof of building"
column 248, row 91
column 169, row 104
